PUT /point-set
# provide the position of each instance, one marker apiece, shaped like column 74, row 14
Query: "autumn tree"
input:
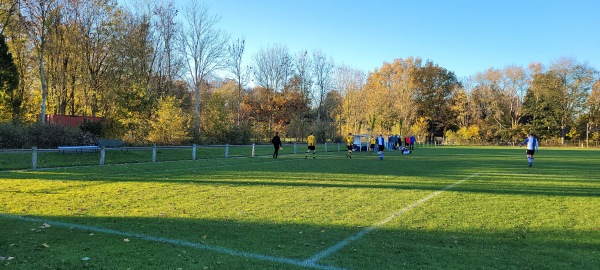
column 492, row 104
column 350, row 83
column 434, row 87
column 168, row 125
column 576, row 82
column 390, row 94
column 8, row 10
column 293, row 109
column 592, row 111
column 333, row 109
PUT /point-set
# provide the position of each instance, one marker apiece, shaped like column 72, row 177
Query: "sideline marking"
column 313, row 260
column 178, row 242
column 308, row 263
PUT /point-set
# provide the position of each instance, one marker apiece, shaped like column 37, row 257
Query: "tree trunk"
column 44, row 86
column 197, row 115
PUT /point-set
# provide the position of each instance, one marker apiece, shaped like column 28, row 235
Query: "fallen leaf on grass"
column 85, row 259
column 45, row 245
column 126, row 239
column 45, row 225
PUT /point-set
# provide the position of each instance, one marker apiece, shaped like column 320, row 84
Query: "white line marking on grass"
column 313, row 260
column 177, row 242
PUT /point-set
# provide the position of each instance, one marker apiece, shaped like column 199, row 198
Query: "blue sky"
column 465, row 37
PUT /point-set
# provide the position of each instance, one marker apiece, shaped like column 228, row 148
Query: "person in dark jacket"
column 276, row 141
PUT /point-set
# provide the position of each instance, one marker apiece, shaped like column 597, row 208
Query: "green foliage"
column 9, row 82
column 541, row 112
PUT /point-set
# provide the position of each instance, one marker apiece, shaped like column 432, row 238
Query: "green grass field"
column 438, row 208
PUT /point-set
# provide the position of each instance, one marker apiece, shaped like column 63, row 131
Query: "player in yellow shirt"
column 349, row 141
column 371, row 144
column 312, row 142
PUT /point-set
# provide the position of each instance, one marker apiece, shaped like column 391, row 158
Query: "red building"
column 70, row 121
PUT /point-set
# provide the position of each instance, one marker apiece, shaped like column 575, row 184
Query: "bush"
column 238, row 135
column 43, row 136
column 12, row 136
column 50, row 136
column 94, row 128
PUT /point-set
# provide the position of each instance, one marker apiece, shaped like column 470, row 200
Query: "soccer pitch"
column 438, row 208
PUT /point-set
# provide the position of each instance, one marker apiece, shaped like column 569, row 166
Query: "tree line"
column 158, row 75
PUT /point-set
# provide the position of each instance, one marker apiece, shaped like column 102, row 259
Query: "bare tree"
column 515, row 85
column 303, row 64
column 272, row 70
column 323, row 71
column 205, row 50
column 166, row 32
column 272, row 67
column 38, row 13
column 236, row 52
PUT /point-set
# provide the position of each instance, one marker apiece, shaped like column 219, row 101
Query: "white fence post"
column 34, row 157
column 102, row 155
column 253, row 149
column 154, row 153
column 194, row 152
column 226, row 150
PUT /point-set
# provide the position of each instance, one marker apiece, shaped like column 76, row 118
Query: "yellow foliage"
column 170, row 124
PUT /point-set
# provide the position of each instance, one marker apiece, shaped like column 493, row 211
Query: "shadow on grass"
column 36, row 246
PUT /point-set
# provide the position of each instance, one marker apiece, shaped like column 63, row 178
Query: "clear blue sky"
column 462, row 36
